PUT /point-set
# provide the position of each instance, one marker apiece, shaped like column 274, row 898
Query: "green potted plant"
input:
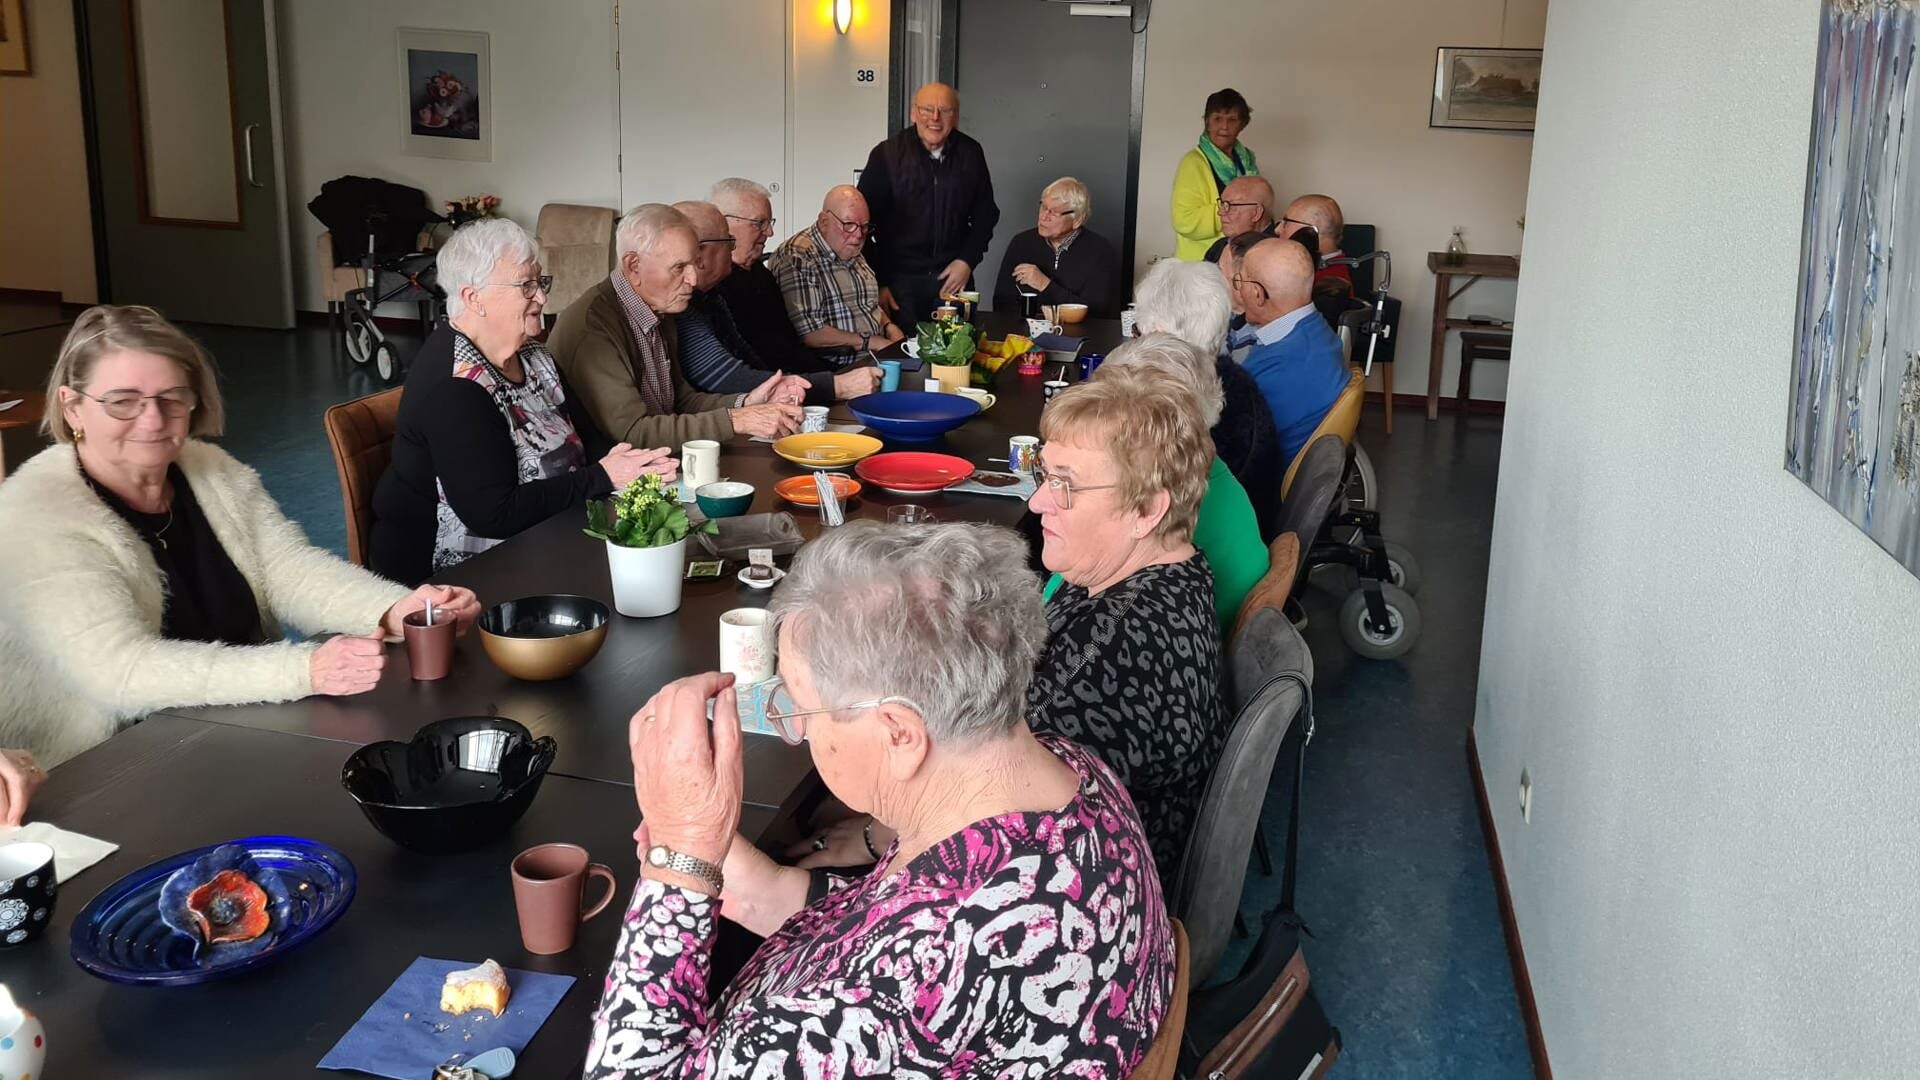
column 949, row 347
column 646, row 529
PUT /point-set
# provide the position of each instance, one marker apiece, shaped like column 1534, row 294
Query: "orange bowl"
column 800, row 490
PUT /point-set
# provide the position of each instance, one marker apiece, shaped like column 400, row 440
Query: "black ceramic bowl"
column 460, row 784
column 27, row 891
column 544, row 637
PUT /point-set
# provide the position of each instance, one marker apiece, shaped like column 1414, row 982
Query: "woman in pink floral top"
column 1014, row 928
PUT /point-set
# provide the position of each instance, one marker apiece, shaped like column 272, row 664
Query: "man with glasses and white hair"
column 714, row 355
column 933, row 209
column 1061, row 261
column 622, row 355
column 1246, row 206
column 750, row 291
column 832, row 295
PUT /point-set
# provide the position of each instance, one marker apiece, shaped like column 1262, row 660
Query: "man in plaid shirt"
column 833, row 298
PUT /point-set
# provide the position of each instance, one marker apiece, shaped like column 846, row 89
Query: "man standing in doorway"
column 932, row 204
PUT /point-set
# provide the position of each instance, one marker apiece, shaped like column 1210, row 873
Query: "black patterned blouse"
column 1133, row 674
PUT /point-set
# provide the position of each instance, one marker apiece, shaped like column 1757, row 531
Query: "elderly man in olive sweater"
column 931, row 199
column 620, row 352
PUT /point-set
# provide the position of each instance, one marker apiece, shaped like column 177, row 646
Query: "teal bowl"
column 727, row 498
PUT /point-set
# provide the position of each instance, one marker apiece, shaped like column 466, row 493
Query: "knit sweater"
column 81, row 601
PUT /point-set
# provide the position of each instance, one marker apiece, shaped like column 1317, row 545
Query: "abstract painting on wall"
column 1854, row 431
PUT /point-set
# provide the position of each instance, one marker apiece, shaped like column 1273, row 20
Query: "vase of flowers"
column 645, row 529
column 471, row 208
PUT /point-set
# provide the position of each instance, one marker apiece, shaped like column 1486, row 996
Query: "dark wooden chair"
column 1477, row 345
column 361, row 434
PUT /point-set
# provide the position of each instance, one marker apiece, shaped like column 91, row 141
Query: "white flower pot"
column 646, row 581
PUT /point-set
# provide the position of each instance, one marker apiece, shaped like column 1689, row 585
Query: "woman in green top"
column 1225, row 529
column 1217, row 160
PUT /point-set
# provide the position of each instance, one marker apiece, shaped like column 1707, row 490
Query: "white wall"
column 557, row 128
column 46, row 227
column 1710, row 674
column 1340, row 95
column 555, row 95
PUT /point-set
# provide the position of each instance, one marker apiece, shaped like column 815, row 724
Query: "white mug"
column 813, row 418
column 700, row 463
column 934, row 386
column 1036, row 327
column 978, row 396
column 746, row 645
column 1127, row 318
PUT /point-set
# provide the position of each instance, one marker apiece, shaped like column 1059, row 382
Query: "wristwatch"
column 665, row 858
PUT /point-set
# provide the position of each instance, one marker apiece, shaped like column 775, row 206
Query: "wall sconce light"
column 842, row 15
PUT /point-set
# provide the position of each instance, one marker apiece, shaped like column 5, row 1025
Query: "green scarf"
column 1226, row 168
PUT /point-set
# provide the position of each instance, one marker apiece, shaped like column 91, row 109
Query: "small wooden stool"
column 1480, row 346
column 26, row 414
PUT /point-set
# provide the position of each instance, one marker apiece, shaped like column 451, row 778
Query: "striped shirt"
column 713, row 355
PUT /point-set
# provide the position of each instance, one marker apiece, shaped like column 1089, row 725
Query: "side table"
column 1473, row 268
column 33, row 406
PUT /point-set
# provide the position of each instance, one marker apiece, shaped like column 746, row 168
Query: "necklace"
column 159, row 536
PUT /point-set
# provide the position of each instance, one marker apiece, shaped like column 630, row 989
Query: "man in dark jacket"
column 932, row 204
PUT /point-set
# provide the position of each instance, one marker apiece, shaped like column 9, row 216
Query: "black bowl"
column 460, row 784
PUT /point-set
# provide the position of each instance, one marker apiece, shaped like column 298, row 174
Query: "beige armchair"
column 576, row 247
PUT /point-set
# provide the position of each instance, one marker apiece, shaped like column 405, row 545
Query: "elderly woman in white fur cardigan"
column 142, row 569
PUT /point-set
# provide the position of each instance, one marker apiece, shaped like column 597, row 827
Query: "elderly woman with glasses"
column 1131, row 666
column 1061, row 261
column 490, row 439
column 147, row 569
column 1011, row 924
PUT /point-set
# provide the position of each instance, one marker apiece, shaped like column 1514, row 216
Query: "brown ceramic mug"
column 549, row 881
column 429, row 648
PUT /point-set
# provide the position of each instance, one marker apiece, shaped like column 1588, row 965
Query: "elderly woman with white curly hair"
column 1192, row 302
column 490, row 439
column 1013, row 923
column 146, row 569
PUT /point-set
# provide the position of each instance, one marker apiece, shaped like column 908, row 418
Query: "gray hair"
column 736, row 188
column 643, row 226
column 1187, row 300
column 947, row 616
column 1166, row 353
column 468, row 258
column 1072, row 192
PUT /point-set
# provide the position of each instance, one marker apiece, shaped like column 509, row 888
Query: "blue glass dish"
column 121, row 936
column 913, row 415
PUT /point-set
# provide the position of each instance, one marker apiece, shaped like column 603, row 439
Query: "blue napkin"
column 404, row 1035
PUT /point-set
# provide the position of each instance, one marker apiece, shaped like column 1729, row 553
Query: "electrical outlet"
column 1526, row 797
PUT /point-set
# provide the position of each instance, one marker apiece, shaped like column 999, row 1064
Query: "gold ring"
column 647, row 719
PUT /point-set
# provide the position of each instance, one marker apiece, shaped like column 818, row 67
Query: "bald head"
column 1321, row 212
column 1284, row 271
column 1246, row 204
column 844, row 220
column 716, row 242
column 936, row 113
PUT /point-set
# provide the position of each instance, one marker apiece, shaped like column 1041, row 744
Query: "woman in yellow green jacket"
column 1208, row 167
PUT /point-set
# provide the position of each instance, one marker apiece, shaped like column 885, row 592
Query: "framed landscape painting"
column 14, row 59
column 446, row 94
column 1488, row 89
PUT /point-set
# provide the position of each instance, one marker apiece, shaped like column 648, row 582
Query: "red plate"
column 914, row 472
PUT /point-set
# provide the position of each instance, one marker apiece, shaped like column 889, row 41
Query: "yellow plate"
column 826, row 449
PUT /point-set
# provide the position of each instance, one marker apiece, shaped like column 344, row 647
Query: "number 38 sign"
column 865, row 76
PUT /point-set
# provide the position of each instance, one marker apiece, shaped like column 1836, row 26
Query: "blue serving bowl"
column 121, row 936
column 459, row 784
column 913, row 415
column 725, row 498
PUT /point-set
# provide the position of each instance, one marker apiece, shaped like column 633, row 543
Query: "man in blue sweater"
column 1296, row 358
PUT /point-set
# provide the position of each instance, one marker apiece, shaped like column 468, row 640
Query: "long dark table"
column 170, row 784
column 588, row 713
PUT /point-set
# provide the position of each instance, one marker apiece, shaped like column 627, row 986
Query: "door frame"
column 96, row 200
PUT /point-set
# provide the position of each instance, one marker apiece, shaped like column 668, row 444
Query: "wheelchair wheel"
column 1363, row 484
column 1402, row 569
column 1403, row 618
column 384, row 360
column 360, row 336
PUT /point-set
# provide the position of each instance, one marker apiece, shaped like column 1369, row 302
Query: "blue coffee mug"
column 889, row 375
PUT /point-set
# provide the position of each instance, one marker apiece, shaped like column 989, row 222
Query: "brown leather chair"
column 361, row 434
column 1163, row 1057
